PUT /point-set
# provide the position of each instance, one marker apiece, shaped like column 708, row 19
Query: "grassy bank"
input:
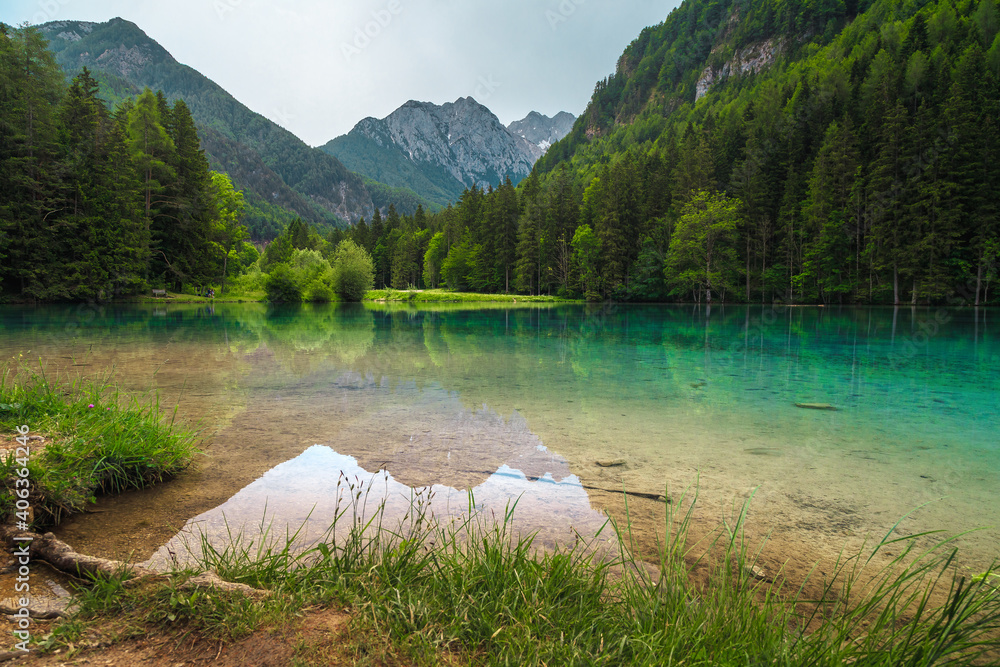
column 230, row 296
column 433, row 295
column 84, row 439
column 386, row 295
column 476, row 593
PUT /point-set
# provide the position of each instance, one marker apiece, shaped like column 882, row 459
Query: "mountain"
column 436, row 151
column 763, row 151
column 280, row 175
column 542, row 131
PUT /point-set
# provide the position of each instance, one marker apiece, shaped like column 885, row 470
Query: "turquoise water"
column 461, row 398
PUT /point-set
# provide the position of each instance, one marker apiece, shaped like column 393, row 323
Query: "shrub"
column 319, row 292
column 308, row 265
column 281, row 286
column 354, row 271
column 253, row 280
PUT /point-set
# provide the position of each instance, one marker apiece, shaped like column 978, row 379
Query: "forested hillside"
column 282, row 177
column 821, row 152
column 825, row 152
column 98, row 203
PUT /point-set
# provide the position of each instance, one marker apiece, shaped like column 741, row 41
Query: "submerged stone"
column 764, row 451
column 816, row 406
column 611, row 463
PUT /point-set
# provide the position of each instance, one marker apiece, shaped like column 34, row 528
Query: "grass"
column 474, row 591
column 237, row 293
column 95, row 441
column 432, row 295
column 230, row 296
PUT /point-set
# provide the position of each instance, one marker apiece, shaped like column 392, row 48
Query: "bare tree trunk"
column 763, row 271
column 748, row 268
column 225, row 263
column 895, row 285
column 708, row 283
column 979, row 280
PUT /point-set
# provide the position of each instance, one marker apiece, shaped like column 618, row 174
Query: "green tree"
column 702, row 255
column 504, row 228
column 459, row 267
column 151, row 149
column 282, row 287
column 586, row 252
column 183, row 227
column 102, row 243
column 988, row 21
column 406, row 260
column 828, row 253
column 354, row 271
column 436, row 253
column 298, row 235
column 29, row 161
column 888, row 239
column 229, row 232
column 532, row 251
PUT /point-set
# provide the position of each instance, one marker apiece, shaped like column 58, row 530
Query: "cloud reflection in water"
column 306, row 491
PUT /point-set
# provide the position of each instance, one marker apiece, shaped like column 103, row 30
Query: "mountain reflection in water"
column 301, row 497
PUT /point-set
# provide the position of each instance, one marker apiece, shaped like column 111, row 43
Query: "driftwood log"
column 61, row 556
column 658, row 497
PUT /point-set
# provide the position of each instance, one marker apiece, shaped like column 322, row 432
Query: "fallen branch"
column 658, row 497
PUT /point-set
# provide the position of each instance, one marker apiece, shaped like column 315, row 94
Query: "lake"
column 520, row 403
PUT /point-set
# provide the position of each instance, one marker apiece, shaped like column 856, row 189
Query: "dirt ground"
column 320, row 637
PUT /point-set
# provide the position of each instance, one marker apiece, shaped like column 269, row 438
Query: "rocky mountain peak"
column 541, row 131
column 462, row 137
column 438, row 151
column 131, row 52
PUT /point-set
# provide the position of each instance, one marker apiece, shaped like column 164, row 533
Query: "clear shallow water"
column 497, row 398
column 300, row 496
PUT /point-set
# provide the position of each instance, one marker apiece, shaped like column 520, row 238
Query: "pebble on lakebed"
column 611, row 463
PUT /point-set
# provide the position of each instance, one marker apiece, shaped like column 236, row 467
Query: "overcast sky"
column 317, row 67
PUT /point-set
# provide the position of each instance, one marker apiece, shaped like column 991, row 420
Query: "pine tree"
column 184, row 227
column 507, row 214
column 531, row 251
column 30, row 200
column 563, row 216
column 377, row 230
column 970, row 162
column 828, row 253
column 926, row 220
column 102, row 241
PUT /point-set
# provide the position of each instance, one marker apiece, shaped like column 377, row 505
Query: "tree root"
column 61, row 556
column 11, row 655
column 34, row 612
